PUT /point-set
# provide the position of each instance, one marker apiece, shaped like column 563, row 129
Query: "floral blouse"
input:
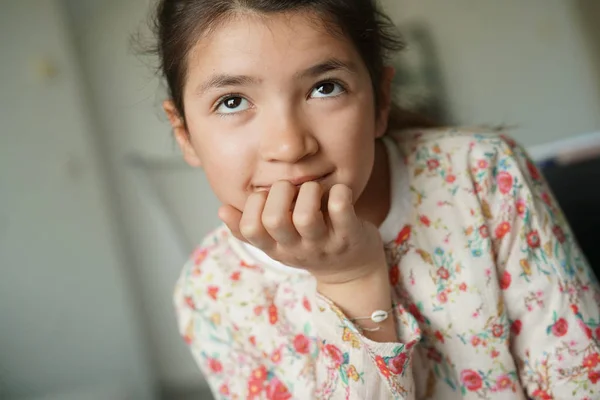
column 494, row 298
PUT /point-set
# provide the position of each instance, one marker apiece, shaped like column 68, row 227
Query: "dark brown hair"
column 178, row 24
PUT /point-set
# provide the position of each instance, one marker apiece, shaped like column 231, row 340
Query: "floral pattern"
column 494, row 299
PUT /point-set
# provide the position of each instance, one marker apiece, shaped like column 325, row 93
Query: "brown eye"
column 327, row 89
column 232, row 104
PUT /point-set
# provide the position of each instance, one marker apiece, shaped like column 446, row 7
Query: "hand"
column 335, row 246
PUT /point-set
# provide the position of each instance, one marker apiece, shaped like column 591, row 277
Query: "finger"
column 341, row 211
column 277, row 214
column 307, row 216
column 251, row 226
column 231, row 216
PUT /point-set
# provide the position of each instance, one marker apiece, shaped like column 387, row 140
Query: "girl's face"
column 277, row 97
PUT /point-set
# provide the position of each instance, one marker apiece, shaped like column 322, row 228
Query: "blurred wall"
column 68, row 327
column 514, row 62
column 126, row 101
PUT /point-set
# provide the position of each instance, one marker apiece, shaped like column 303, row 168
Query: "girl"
column 363, row 256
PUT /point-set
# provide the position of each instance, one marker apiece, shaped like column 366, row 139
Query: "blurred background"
column 97, row 212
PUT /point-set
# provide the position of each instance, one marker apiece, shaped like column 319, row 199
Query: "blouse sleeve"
column 211, row 340
column 360, row 366
column 551, row 295
column 338, row 361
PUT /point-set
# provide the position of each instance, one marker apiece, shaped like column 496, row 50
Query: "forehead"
column 267, row 43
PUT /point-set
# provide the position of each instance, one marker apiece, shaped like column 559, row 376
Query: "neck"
column 374, row 204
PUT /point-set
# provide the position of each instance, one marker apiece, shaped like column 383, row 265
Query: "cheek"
column 228, row 164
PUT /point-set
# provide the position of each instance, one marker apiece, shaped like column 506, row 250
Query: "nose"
column 287, row 138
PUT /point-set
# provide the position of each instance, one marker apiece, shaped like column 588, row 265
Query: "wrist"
column 360, row 296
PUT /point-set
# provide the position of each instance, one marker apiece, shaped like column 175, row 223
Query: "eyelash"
column 228, row 96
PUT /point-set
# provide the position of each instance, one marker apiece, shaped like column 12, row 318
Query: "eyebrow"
column 333, row 64
column 224, row 80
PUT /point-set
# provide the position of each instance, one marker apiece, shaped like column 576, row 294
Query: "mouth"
column 298, row 181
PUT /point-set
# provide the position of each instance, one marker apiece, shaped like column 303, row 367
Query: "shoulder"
column 452, row 140
column 446, row 151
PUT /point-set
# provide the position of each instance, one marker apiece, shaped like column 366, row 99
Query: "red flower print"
column 495, row 353
column 442, row 297
column 471, row 380
column 306, row 304
column 259, row 374
column 484, row 231
column 574, row 308
column 482, row 164
column 190, row 302
column 463, row 287
column 443, row 273
column 273, row 316
column 224, row 389
column 475, row 340
column 502, row 230
column 560, row 327
column 439, row 336
column 591, row 361
column 558, row 232
column 414, row 310
column 533, row 239
column 335, row 354
column 533, row 171
column 276, row 390
column 382, row 366
column 236, row 276
column 215, row 365
column 397, row 363
column 434, row 355
column 213, row 291
column 252, row 340
column 597, row 332
column 594, row 376
column 451, row 178
column 404, row 235
column 586, row 329
column 433, row 164
column 503, row 382
column 497, row 330
column 425, row 221
column 394, row 275
column 516, row 326
column 199, row 255
column 505, row 182
column 258, row 310
column 254, row 388
column 276, row 356
column 540, row 394
column 301, row 344
column 546, row 198
column 521, row 207
column 505, row 280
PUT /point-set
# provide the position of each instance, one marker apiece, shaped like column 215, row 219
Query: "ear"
column 182, row 135
column 385, row 102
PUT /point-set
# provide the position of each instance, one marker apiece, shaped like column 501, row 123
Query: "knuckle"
column 303, row 219
column 249, row 229
column 273, row 221
column 337, row 205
